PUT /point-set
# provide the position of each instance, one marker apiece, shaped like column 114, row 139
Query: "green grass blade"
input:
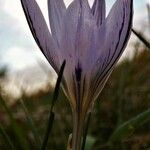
column 89, row 142
column 48, row 130
column 56, row 91
column 127, row 128
column 51, row 114
column 148, row 11
column 142, row 38
column 31, row 124
column 86, row 131
column 16, row 128
column 6, row 138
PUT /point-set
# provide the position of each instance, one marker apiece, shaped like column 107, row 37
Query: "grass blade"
column 31, row 124
column 142, row 38
column 48, row 130
column 85, row 131
column 129, row 127
column 6, row 138
column 56, row 91
column 148, row 10
column 51, row 114
column 16, row 128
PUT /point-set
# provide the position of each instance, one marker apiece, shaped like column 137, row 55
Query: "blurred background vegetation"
column 23, row 118
column 126, row 94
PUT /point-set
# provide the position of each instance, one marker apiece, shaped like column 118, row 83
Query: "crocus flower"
column 90, row 42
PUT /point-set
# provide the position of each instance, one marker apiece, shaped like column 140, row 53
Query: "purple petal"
column 99, row 11
column 77, row 30
column 57, row 10
column 40, row 31
column 118, row 28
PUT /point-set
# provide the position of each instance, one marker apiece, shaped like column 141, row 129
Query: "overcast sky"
column 17, row 46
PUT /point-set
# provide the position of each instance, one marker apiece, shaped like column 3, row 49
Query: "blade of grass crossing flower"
column 142, row 38
column 31, row 124
column 129, row 126
column 56, row 91
column 48, row 130
column 16, row 128
column 6, row 138
column 51, row 114
column 86, row 131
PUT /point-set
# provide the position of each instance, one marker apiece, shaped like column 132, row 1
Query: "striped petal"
column 77, row 25
column 99, row 11
column 73, row 24
column 75, row 42
column 56, row 10
column 40, row 31
column 118, row 28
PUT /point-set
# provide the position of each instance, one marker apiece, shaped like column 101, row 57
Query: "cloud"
column 15, row 55
column 16, row 41
column 12, row 32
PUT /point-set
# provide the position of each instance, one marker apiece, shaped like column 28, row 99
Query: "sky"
column 18, row 49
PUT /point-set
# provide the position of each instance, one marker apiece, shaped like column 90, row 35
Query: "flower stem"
column 77, row 132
